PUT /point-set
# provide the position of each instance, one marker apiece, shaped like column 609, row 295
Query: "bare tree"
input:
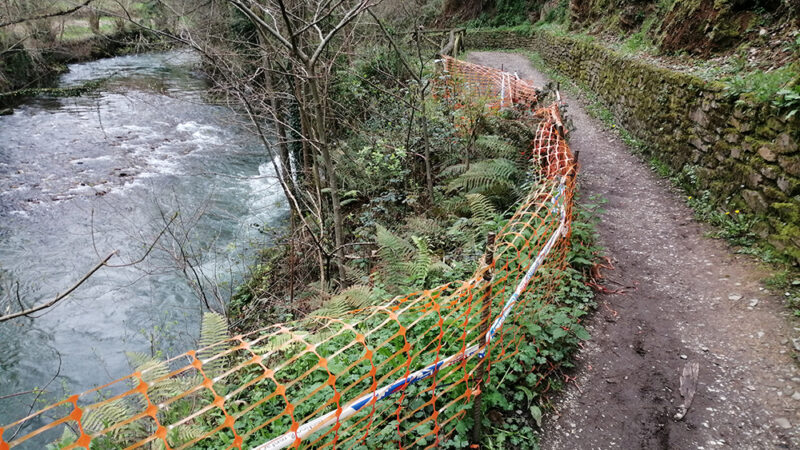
column 306, row 36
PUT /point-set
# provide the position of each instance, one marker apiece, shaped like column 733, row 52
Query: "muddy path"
column 681, row 298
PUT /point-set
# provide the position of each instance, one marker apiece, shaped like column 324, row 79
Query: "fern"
column 109, row 414
column 352, row 298
column 425, row 226
column 453, row 171
column 183, row 434
column 491, row 146
column 421, row 264
column 213, row 335
column 487, row 174
column 481, row 207
column 213, row 330
column 357, row 297
column 393, row 252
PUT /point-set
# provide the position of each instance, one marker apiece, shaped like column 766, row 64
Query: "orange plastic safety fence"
column 499, row 89
column 398, row 375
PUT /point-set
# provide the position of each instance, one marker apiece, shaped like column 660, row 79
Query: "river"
column 83, row 176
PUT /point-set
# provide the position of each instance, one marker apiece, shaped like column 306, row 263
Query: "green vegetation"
column 73, row 91
column 765, row 86
column 506, row 13
column 78, row 30
column 640, row 41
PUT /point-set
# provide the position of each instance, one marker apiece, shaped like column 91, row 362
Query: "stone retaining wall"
column 742, row 151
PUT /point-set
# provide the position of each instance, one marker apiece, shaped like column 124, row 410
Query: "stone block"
column 785, row 144
column 789, row 185
column 732, row 138
column 770, row 171
column 791, row 164
column 753, row 178
column 741, row 125
column 767, row 153
column 698, row 144
column 699, row 117
column 755, row 201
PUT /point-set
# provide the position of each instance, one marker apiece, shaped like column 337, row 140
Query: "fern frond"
column 487, row 174
column 481, row 207
column 393, row 252
column 213, row 333
column 392, row 243
column 153, row 369
column 492, row 146
column 426, row 226
column 357, row 297
column 335, row 307
column 421, row 264
column 439, row 267
column 453, row 171
column 213, row 330
column 182, row 434
column 354, row 275
column 110, row 414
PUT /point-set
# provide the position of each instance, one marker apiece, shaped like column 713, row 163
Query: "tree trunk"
column 94, row 21
column 280, row 128
column 428, row 168
column 330, row 172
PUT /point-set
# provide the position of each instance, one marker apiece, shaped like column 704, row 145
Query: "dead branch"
column 46, row 16
column 60, row 297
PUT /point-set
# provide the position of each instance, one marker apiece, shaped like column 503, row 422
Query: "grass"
column 79, row 30
column 640, row 41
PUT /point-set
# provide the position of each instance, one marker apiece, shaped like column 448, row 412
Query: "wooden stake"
column 486, row 313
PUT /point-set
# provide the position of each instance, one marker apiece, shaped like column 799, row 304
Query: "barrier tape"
column 282, row 386
column 336, row 416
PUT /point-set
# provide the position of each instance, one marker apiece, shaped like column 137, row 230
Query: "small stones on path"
column 796, row 396
column 684, row 357
column 783, row 423
column 734, row 297
column 753, row 303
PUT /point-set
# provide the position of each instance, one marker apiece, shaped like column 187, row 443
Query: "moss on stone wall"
column 746, row 150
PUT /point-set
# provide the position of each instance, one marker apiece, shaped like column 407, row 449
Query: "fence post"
column 486, row 313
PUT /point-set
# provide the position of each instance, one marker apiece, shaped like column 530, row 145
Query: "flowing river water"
column 83, row 176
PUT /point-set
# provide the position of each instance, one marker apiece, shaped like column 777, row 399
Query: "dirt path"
column 687, row 299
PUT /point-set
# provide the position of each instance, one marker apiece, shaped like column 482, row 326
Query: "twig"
column 60, row 297
column 41, row 391
column 17, row 394
column 45, row 16
column 152, row 244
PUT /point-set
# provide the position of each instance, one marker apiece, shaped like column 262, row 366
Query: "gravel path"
column 687, row 298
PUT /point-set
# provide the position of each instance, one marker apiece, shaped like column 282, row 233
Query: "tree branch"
column 46, row 16
column 60, row 297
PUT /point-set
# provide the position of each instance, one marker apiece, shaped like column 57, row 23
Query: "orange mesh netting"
column 398, row 375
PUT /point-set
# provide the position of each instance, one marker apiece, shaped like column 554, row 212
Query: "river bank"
column 24, row 68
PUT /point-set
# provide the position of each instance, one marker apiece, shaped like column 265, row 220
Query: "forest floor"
column 675, row 297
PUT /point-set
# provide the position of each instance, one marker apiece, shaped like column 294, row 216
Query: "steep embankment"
column 674, row 298
column 21, row 67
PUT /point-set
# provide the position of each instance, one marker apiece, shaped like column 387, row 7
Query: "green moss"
column 786, row 239
column 789, row 212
